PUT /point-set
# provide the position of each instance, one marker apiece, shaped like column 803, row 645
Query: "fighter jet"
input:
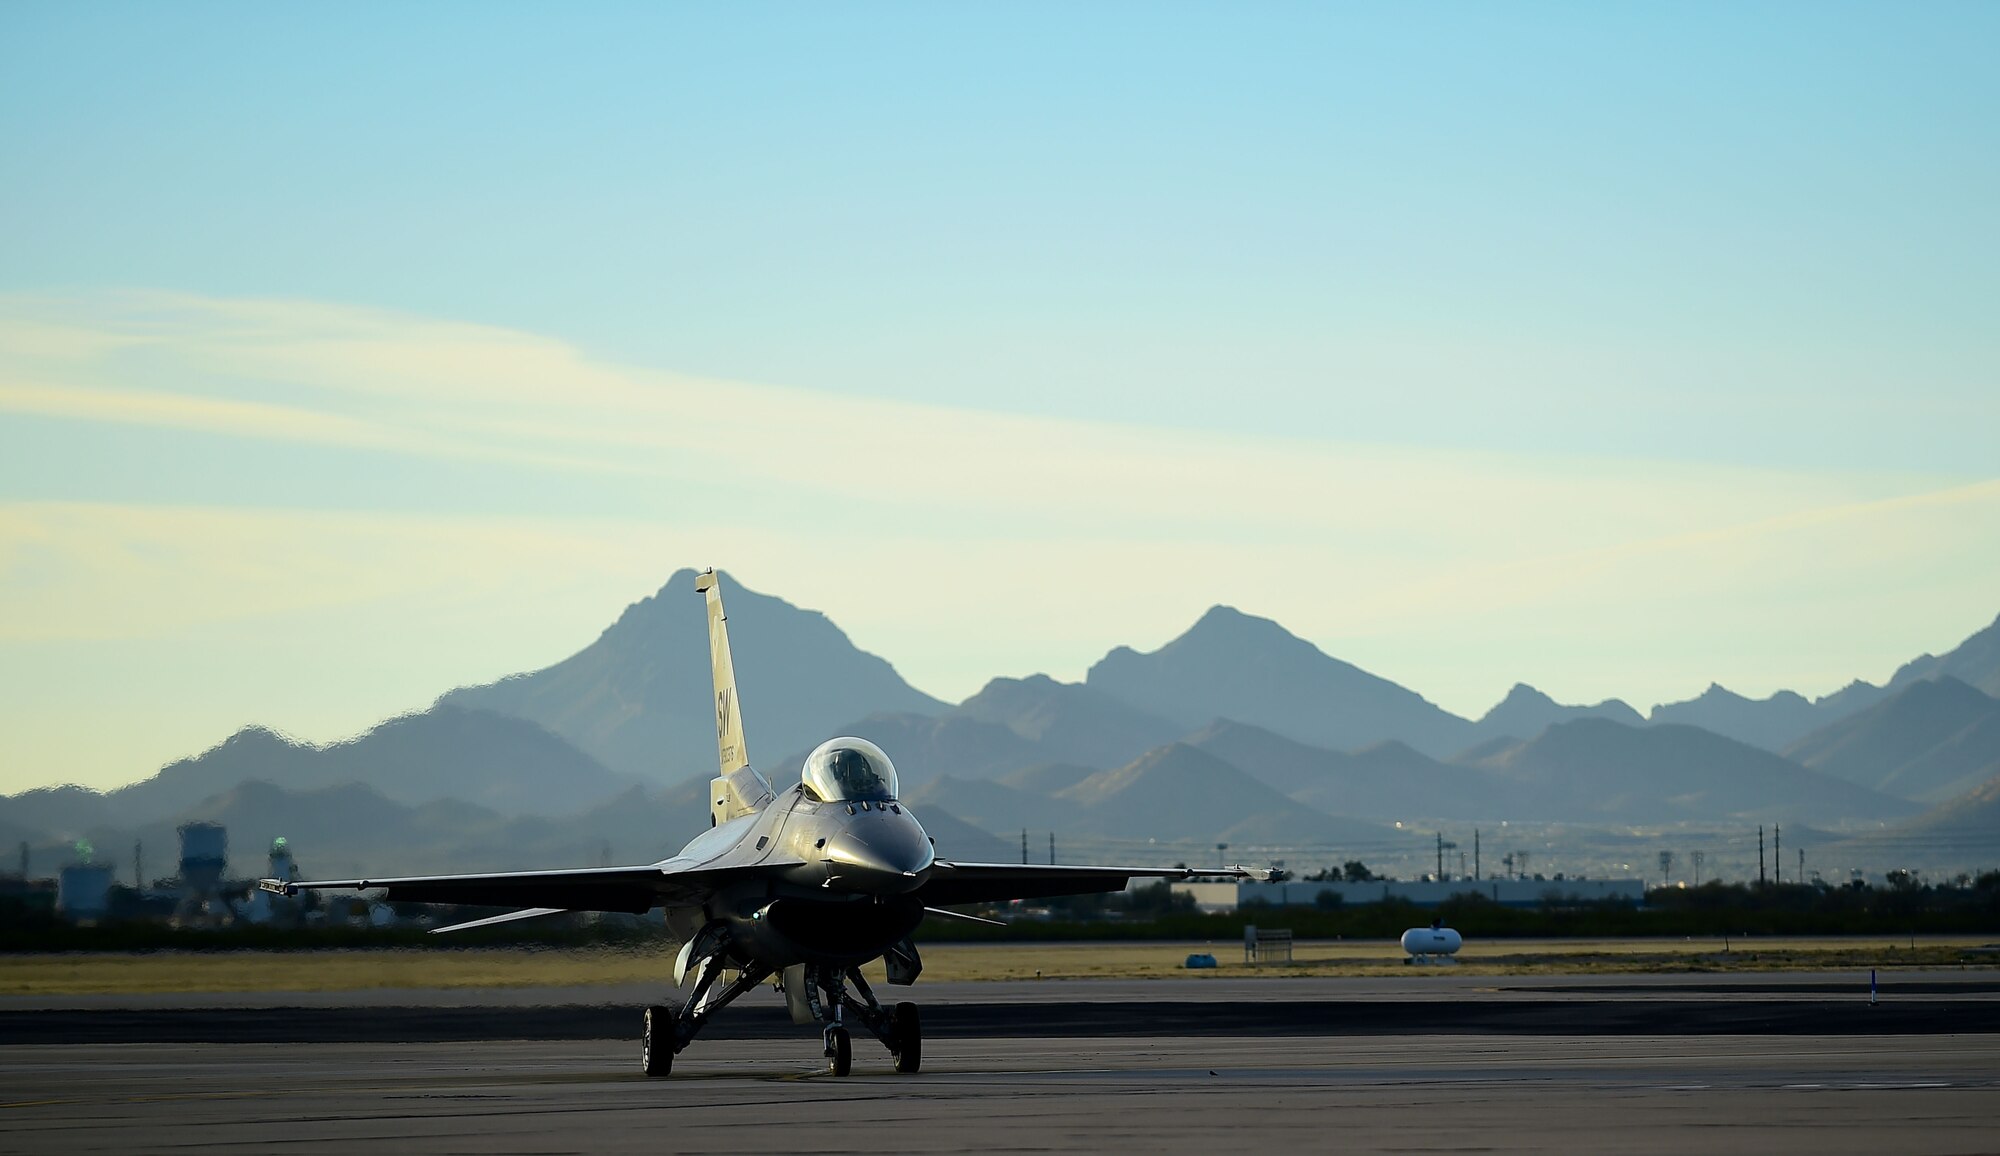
column 801, row 887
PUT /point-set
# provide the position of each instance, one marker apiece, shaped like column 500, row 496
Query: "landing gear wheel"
column 656, row 1055
column 839, row 1052
column 908, row 1033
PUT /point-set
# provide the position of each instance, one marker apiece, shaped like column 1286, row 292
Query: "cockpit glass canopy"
column 847, row 769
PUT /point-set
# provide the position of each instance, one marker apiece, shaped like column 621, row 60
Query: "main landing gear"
column 909, row 1035
column 668, row 1031
column 656, row 1052
column 826, row 992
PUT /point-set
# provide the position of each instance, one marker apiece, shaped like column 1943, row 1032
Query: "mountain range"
column 1935, row 740
column 1596, row 769
column 1236, row 731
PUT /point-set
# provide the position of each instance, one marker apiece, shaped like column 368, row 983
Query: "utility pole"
column 1475, row 854
column 1801, row 876
column 1666, row 868
column 1024, row 846
column 1052, row 848
column 1521, row 861
column 1443, row 846
column 1507, row 861
column 1777, row 854
column 1760, row 854
column 1698, row 856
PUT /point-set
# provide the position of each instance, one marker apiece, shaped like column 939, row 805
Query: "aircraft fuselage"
column 842, row 896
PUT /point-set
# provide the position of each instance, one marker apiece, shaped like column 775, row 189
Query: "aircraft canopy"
column 846, row 770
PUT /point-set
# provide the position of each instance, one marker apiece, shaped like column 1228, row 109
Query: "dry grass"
column 1495, row 957
column 256, row 971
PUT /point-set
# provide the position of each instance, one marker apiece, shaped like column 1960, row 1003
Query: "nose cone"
column 881, row 853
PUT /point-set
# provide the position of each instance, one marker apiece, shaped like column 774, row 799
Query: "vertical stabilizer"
column 738, row 789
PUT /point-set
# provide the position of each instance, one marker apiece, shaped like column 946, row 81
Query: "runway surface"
column 1076, row 1066
column 1431, row 1093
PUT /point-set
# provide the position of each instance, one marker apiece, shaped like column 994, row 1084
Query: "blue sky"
column 1614, row 348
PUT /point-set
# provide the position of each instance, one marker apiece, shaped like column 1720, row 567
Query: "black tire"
column 908, row 1031
column 656, row 1053
column 841, row 1061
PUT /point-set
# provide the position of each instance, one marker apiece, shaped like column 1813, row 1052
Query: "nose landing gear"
column 839, row 1051
column 900, row 1031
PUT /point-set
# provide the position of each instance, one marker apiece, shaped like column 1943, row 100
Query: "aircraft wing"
column 630, row 889
column 951, row 883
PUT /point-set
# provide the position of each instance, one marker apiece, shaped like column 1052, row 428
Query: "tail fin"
column 738, row 789
column 728, row 723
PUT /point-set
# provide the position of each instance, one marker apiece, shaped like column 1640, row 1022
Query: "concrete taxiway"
column 1553, row 1065
column 1215, row 1094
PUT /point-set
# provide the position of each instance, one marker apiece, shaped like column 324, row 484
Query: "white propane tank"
column 1432, row 941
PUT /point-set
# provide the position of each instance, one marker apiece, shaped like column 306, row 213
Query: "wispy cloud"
column 102, row 571
column 210, row 414
column 314, row 372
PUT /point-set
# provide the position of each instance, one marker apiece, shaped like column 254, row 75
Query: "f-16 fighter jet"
column 801, row 886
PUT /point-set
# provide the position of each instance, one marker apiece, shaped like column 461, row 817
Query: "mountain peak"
column 1222, row 619
column 1172, row 771
column 1039, row 684
column 1071, row 722
column 1772, row 723
column 639, row 698
column 1527, row 711
column 256, row 736
column 1975, row 661
column 1524, row 695
column 1943, row 686
column 1930, row 740
column 1235, row 665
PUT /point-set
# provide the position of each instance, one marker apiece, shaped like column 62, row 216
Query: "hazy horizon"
column 347, row 357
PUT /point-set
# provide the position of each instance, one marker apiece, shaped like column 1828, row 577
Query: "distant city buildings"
column 1226, row 897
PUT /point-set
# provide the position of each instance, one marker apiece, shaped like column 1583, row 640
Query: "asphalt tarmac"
column 1071, row 1066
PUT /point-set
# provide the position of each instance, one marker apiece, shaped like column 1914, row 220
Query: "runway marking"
column 1900, row 1086
column 163, row 1099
